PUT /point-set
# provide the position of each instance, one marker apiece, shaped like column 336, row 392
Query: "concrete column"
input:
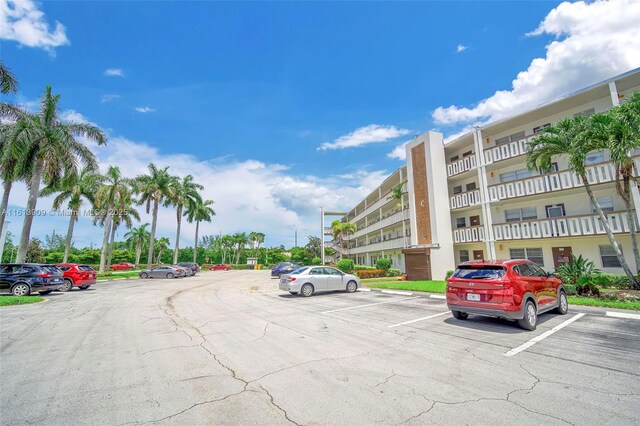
column 322, row 233
column 484, row 195
column 613, row 91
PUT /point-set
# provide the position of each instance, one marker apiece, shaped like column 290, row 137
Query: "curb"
column 406, row 293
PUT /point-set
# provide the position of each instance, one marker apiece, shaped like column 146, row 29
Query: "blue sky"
column 244, row 95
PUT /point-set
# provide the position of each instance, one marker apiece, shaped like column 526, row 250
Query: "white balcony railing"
column 465, row 199
column 598, row 173
column 468, row 235
column 383, row 223
column 392, row 244
column 462, row 165
column 560, row 227
column 508, row 150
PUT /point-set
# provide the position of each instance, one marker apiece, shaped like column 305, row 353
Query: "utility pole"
column 295, row 229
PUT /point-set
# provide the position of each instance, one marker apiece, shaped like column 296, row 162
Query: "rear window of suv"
column 489, row 272
column 85, row 268
column 50, row 269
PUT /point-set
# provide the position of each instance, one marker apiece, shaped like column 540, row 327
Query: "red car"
column 123, row 266
column 74, row 275
column 512, row 289
column 220, row 267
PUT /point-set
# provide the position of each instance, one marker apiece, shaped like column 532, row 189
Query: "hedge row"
column 374, row 273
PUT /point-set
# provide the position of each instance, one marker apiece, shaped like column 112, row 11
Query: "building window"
column 466, row 154
column 540, row 128
column 471, row 186
column 454, row 158
column 594, row 157
column 532, row 254
column 608, row 257
column 461, row 222
column 515, row 175
column 457, row 189
column 464, row 255
column 517, row 215
column 510, row 138
column 555, row 210
column 606, row 204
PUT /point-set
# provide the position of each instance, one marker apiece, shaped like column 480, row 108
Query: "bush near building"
column 346, row 265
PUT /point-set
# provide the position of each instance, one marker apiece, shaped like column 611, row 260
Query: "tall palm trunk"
column 607, row 228
column 111, row 241
column 152, row 238
column 5, row 202
column 138, row 253
column 105, row 238
column 175, row 253
column 34, row 189
column 631, row 214
column 67, row 245
column 195, row 246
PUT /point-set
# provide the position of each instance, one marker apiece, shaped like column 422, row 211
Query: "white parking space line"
column 623, row 315
column 401, row 293
column 543, row 336
column 438, row 296
column 364, row 289
column 417, row 320
column 367, row 305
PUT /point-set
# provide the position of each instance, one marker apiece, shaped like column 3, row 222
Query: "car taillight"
column 292, row 278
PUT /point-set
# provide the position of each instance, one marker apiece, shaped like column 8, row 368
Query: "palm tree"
column 257, row 238
column 11, row 170
column 8, row 82
column 51, row 145
column 154, row 188
column 126, row 213
column 618, row 131
column 340, row 230
column 397, row 194
column 76, row 188
column 185, row 193
column 240, row 240
column 137, row 238
column 162, row 243
column 200, row 211
column 570, row 138
column 226, row 241
column 114, row 189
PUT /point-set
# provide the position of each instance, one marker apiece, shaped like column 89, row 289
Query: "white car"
column 310, row 279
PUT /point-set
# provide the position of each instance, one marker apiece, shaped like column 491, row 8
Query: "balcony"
column 570, row 226
column 597, row 173
column 462, row 165
column 508, row 150
column 382, row 223
column 391, row 244
column 465, row 199
column 468, row 235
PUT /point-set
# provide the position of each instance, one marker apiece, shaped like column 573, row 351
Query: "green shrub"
column 346, row 265
column 363, row 268
column 375, row 273
column 587, row 285
column 617, row 281
column 316, row 261
column 570, row 289
column 394, row 272
column 449, row 273
column 383, row 263
column 579, row 268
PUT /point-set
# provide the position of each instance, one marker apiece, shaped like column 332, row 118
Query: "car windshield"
column 299, row 270
column 489, row 272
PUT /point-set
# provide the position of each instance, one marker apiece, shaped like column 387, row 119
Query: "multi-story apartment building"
column 474, row 198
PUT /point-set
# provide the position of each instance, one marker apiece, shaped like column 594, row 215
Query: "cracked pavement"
column 228, row 348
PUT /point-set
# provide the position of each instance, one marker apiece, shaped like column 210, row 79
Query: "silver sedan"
column 163, row 271
column 311, row 279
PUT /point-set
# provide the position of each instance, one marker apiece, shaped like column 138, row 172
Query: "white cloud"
column 108, row 98
column 372, row 133
column 594, row 41
column 461, row 48
column 144, row 109
column 399, row 152
column 114, row 72
column 23, row 22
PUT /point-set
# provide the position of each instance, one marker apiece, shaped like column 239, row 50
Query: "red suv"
column 124, row 266
column 513, row 289
column 75, row 275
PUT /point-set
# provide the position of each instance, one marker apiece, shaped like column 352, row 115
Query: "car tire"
column 45, row 292
column 170, row 275
column 460, row 315
column 21, row 289
column 68, row 285
column 563, row 303
column 144, row 275
column 530, row 319
column 293, row 292
column 352, row 286
column 84, row 287
column 306, row 290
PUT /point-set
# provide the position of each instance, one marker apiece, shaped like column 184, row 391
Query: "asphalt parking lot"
column 229, row 348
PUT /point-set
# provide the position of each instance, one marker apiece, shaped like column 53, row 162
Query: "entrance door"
column 561, row 255
column 478, row 255
column 417, row 263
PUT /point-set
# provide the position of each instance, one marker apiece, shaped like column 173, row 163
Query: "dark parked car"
column 284, row 268
column 23, row 279
column 191, row 265
column 74, row 275
column 513, row 289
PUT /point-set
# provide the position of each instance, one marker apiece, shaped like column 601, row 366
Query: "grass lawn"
column 429, row 286
column 383, row 279
column 118, row 274
column 19, row 300
column 592, row 301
